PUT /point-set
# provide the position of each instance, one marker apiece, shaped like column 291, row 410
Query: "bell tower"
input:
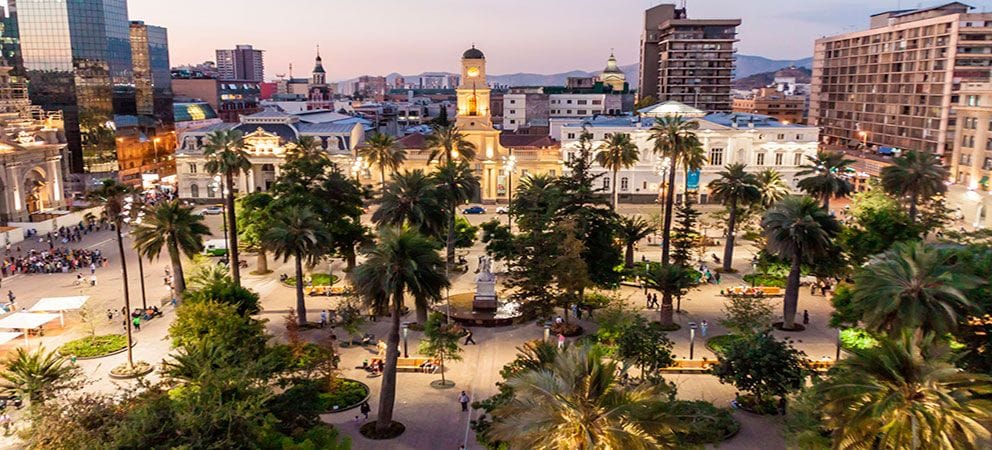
column 473, row 93
column 318, row 76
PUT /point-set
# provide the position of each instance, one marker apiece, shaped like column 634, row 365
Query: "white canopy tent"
column 26, row 321
column 7, row 336
column 60, row 304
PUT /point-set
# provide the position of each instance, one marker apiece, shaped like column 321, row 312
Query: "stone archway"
column 37, row 192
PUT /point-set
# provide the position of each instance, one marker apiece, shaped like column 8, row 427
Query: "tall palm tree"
column 672, row 136
column 306, row 147
column 616, row 153
column 672, row 281
column 737, row 189
column 173, row 226
column 902, row 396
column 913, row 285
column 798, row 230
column 36, row 374
column 412, row 198
column 459, row 184
column 823, row 176
column 113, row 196
column 772, row 186
column 631, row 230
column 447, row 144
column 692, row 159
column 381, row 150
column 225, row 152
column 915, row 176
column 576, row 402
column 297, row 233
column 403, row 262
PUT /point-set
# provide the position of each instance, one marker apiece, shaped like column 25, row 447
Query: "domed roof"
column 473, row 53
column 611, row 65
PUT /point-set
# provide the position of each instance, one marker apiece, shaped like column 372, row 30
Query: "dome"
column 473, row 53
column 611, row 65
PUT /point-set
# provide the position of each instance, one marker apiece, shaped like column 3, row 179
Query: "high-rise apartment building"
column 153, row 99
column 242, row 63
column 896, row 84
column 687, row 60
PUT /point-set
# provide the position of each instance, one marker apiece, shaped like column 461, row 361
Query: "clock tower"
column 473, row 93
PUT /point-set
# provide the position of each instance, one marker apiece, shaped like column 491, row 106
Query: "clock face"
column 472, row 72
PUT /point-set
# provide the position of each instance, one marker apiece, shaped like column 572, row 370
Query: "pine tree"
column 684, row 235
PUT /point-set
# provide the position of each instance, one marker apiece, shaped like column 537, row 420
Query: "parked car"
column 474, row 210
column 215, row 247
column 502, row 210
column 213, row 210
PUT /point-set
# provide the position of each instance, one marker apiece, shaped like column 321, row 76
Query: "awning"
column 60, row 303
column 7, row 336
column 26, row 321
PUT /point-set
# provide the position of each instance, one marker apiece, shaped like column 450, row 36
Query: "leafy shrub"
column 568, row 329
column 720, row 343
column 345, row 393
column 317, row 279
column 856, row 338
column 93, row 346
column 703, row 422
column 596, row 300
column 758, row 279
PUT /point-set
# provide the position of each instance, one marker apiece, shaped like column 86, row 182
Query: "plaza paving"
column 433, row 417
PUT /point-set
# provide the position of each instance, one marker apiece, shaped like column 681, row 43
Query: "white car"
column 502, row 210
column 213, row 210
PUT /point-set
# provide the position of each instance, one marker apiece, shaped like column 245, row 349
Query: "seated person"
column 156, row 311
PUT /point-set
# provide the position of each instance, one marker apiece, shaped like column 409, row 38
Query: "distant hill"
column 763, row 79
column 747, row 65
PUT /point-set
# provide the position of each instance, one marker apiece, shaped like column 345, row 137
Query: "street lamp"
column 223, row 211
column 133, row 213
column 692, row 339
column 510, row 163
column 547, row 330
column 155, row 146
column 406, row 332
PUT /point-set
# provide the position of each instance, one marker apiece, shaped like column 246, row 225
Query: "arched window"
column 194, row 190
column 624, row 184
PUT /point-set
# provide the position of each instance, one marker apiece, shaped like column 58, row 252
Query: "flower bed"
column 123, row 371
column 94, row 346
column 704, row 423
column 345, row 395
column 317, row 279
column 758, row 279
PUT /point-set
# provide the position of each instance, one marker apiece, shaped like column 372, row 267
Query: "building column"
column 55, row 175
column 251, row 179
column 15, row 186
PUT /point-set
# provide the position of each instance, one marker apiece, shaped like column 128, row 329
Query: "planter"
column 395, row 429
column 107, row 345
column 123, row 372
column 717, row 344
column 364, row 398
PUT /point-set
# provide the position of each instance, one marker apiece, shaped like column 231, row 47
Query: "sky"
column 378, row 37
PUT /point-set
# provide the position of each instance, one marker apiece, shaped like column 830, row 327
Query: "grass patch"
column 703, row 422
column 319, row 279
column 94, row 346
column 857, row 339
column 758, row 279
column 720, row 343
column 345, row 394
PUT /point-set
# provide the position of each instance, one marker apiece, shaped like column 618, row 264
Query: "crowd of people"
column 55, row 260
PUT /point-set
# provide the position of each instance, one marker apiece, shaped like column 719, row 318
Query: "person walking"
column 11, row 297
column 805, row 317
column 93, row 280
column 463, row 399
column 703, row 326
column 468, row 338
column 92, row 268
column 561, row 341
column 716, row 277
column 110, row 315
column 137, row 323
column 366, row 409
column 323, row 318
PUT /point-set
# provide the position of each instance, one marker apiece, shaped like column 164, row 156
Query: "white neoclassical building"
column 266, row 135
column 759, row 141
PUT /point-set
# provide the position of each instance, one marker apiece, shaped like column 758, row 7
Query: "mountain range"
column 747, row 65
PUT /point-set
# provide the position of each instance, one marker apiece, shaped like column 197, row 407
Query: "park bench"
column 821, row 365
column 414, row 363
column 325, row 290
column 769, row 291
column 689, row 366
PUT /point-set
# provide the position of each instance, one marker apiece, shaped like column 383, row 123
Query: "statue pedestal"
column 485, row 288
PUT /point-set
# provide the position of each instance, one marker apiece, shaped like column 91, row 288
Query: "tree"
column 225, row 153
column 576, row 402
column 685, row 237
column 824, row 176
column 673, row 137
column 745, row 316
column 440, row 342
column 37, row 375
column 763, row 366
column 498, row 239
column 381, row 150
column 465, row 233
column 458, row 183
column 671, row 281
column 694, row 158
column 735, row 188
column 900, row 395
column 915, row 176
column 644, row 102
column 772, row 187
column 113, row 196
column 913, row 286
column 448, row 144
column 212, row 283
column 298, row 234
column 799, row 230
column 402, row 262
column 173, row 226
column 875, row 223
column 618, row 152
column 253, row 219
column 413, row 199
column 645, row 345
column 631, row 231
column 571, row 273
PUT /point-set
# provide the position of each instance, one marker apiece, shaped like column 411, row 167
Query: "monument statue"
column 485, row 286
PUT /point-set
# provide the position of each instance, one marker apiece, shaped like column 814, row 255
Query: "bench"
column 689, row 366
column 325, row 290
column 415, row 363
column 772, row 291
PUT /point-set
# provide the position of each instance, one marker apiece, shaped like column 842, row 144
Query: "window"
column 597, row 102
column 760, row 159
column 606, row 182
column 988, row 164
column 778, row 159
column 972, row 100
column 799, row 137
column 513, row 102
column 194, row 190
column 211, row 190
column 571, row 135
column 781, row 137
column 552, row 173
column 581, row 112
column 192, row 168
column 716, row 156
column 624, row 184
column 568, row 111
column 569, row 102
column 988, row 144
column 797, row 160
column 968, row 141
column 582, row 102
column 512, row 121
column 513, row 111
column 965, row 160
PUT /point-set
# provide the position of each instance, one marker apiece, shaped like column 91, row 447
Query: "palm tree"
column 173, row 226
column 306, row 147
column 381, row 150
column 631, row 230
column 735, row 188
column 798, row 230
column 824, row 176
column 225, row 152
column 673, row 136
column 672, row 281
column 903, row 396
column 772, row 186
column 460, row 184
column 403, row 262
column 448, row 144
column 913, row 285
column 114, row 196
column 576, row 402
column 412, row 198
column 37, row 374
column 915, row 175
column 297, row 233
column 618, row 152
column 694, row 158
